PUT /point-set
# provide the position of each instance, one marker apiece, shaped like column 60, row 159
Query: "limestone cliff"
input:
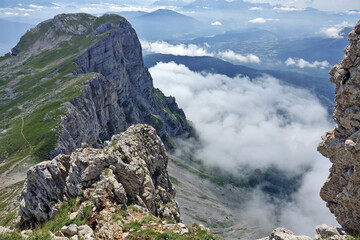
column 123, row 94
column 341, row 191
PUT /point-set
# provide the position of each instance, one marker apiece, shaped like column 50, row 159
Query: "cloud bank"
column 262, row 20
column 195, row 50
column 232, row 56
column 258, row 123
column 301, row 63
column 334, row 31
column 237, row 117
column 179, row 49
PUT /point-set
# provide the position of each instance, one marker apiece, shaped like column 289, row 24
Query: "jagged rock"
column 132, row 167
column 328, row 232
column 284, row 234
column 342, row 145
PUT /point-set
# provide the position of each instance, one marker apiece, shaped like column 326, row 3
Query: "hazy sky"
column 325, row 5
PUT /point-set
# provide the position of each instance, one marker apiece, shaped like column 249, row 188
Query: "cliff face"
column 342, row 144
column 132, row 168
column 122, row 94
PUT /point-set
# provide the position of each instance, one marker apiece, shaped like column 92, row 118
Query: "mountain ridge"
column 50, row 87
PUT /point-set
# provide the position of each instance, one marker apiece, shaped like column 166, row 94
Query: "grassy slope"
column 43, row 83
column 39, row 86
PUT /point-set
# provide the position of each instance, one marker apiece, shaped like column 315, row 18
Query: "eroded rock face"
column 121, row 95
column 341, row 191
column 131, row 168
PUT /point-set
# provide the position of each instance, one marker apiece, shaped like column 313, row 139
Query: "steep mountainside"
column 72, row 79
column 120, row 192
column 341, row 145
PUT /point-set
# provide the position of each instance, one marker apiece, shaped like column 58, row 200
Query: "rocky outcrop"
column 322, row 232
column 284, row 234
column 121, row 95
column 341, row 191
column 132, row 168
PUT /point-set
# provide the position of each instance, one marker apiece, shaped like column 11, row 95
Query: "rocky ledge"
column 322, row 232
column 131, row 169
column 342, row 144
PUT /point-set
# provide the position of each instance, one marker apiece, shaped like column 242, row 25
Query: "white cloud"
column 216, row 23
column 256, row 9
column 11, row 13
column 241, row 121
column 262, row 20
column 323, row 5
column 195, row 50
column 232, row 56
column 352, row 12
column 301, row 63
column 288, row 9
column 334, row 31
column 36, row 6
column 258, row 123
column 179, row 49
column 258, row 20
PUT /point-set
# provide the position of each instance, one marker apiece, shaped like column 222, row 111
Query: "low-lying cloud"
column 334, row 31
column 263, row 20
column 179, row 49
column 301, row 63
column 216, row 23
column 195, row 50
column 232, row 56
column 288, row 9
column 257, row 123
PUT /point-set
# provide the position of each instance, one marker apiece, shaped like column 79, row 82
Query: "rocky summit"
column 131, row 168
column 342, row 144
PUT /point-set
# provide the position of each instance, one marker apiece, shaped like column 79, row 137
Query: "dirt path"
column 4, row 181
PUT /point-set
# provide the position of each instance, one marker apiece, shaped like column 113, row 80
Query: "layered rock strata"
column 341, row 191
column 132, row 168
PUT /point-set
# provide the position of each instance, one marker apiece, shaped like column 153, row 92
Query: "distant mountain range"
column 165, row 24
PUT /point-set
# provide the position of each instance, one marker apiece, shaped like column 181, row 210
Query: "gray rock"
column 342, row 144
column 284, row 234
column 121, row 95
column 328, row 232
column 70, row 230
column 133, row 167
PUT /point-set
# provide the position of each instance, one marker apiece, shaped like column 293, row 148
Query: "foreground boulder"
column 131, row 169
column 342, row 145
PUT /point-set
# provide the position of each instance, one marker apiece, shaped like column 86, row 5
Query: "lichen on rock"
column 131, row 169
column 341, row 145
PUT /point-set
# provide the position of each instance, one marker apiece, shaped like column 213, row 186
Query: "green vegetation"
column 146, row 232
column 39, row 87
column 7, row 196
